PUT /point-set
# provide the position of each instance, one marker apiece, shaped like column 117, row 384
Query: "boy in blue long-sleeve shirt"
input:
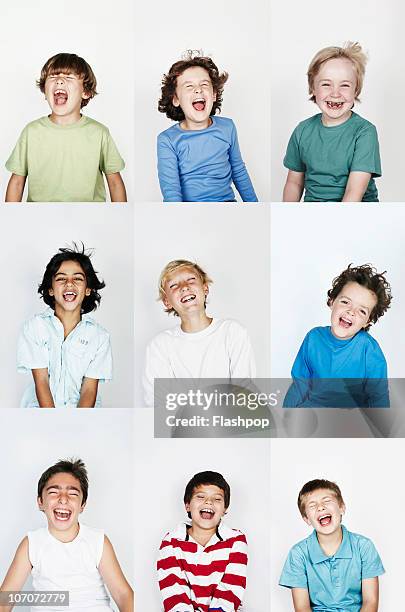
column 199, row 157
column 345, row 350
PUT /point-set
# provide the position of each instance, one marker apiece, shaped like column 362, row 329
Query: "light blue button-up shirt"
column 86, row 352
column 333, row 583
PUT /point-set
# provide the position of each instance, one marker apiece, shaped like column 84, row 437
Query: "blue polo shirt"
column 333, row 583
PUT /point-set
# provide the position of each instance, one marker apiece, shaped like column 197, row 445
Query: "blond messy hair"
column 171, row 267
column 351, row 51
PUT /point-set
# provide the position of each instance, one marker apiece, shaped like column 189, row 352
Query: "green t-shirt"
column 327, row 155
column 64, row 163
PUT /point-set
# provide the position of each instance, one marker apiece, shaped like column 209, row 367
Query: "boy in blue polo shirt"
column 333, row 569
column 334, row 155
column 342, row 365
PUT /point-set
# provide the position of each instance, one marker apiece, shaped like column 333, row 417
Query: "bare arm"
column 356, row 186
column 15, row 188
column 88, row 393
column 18, row 572
column 115, row 580
column 294, row 186
column 369, row 592
column 116, row 187
column 301, row 600
column 42, row 390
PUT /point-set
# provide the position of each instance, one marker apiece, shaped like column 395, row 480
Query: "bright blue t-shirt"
column 331, row 372
column 333, row 583
column 200, row 165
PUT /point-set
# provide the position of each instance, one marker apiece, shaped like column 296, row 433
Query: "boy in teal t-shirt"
column 65, row 154
column 334, row 155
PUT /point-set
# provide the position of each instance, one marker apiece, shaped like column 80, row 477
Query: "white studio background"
column 366, row 474
column 298, row 31
column 29, row 237
column 164, row 467
column 311, row 244
column 230, row 243
column 103, row 34
column 34, row 440
column 237, row 39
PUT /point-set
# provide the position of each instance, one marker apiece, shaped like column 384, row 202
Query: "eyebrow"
column 66, row 274
column 59, row 488
column 350, row 300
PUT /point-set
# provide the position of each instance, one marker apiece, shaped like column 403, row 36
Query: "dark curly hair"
column 91, row 301
column 72, row 466
column 368, row 277
column 70, row 63
column 169, row 83
column 207, row 478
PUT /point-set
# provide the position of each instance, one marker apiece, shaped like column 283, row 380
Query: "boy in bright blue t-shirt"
column 333, row 569
column 199, row 157
column 345, row 350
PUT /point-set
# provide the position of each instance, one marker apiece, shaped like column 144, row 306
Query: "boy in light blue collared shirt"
column 333, row 569
column 66, row 350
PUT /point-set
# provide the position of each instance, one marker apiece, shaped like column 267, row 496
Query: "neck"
column 195, row 322
column 328, row 122
column 202, row 536
column 189, row 124
column 68, row 119
column 331, row 542
column 68, row 319
column 65, row 536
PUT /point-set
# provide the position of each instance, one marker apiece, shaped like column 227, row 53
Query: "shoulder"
column 368, row 341
column 164, row 336
column 224, row 122
column 93, row 125
column 39, row 321
column 299, row 552
column 234, row 535
column 310, row 122
column 363, row 126
column 169, row 133
column 95, row 328
column 315, row 334
column 179, row 533
column 231, row 326
column 360, row 542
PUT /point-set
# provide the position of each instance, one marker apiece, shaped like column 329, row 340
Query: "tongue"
column 325, row 521
column 344, row 323
column 60, row 99
column 206, row 515
column 199, row 106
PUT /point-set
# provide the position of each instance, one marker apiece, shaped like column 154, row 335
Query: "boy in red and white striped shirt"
column 202, row 563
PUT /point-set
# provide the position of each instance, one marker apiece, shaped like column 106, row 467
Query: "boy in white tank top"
column 67, row 555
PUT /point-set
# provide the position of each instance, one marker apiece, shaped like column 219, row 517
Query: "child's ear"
column 88, row 291
column 175, row 101
column 40, row 504
column 82, row 508
column 166, row 303
column 187, row 507
column 50, row 291
column 342, row 508
column 306, row 519
column 206, row 289
column 86, row 95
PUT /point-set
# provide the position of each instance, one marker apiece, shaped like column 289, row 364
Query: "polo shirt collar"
column 223, row 532
column 317, row 555
column 50, row 314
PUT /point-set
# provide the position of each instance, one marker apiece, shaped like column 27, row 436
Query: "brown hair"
column 350, row 51
column 174, row 265
column 70, row 63
column 368, row 277
column 169, row 83
column 314, row 485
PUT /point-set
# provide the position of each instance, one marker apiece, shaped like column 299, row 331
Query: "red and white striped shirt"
column 202, row 578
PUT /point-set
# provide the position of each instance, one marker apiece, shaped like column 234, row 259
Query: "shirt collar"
column 50, row 314
column 223, row 532
column 317, row 555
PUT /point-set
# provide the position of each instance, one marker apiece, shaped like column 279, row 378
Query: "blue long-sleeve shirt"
column 200, row 165
column 331, row 372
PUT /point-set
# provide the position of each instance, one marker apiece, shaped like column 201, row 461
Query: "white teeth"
column 187, row 298
column 207, row 510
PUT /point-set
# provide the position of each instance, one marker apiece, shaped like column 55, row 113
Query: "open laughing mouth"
column 62, row 514
column 325, row 520
column 69, row 296
column 345, row 322
column 207, row 513
column 187, row 298
column 60, row 97
column 199, row 104
column 334, row 105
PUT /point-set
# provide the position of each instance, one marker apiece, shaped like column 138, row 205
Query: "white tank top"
column 69, row 566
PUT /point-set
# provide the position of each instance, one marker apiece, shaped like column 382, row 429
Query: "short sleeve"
column 292, row 159
column 242, row 361
column 294, row 573
column 157, row 365
column 111, row 161
column 32, row 349
column 371, row 564
column 366, row 156
column 100, row 366
column 17, row 163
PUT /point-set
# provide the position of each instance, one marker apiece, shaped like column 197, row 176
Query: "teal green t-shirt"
column 327, row 155
column 65, row 163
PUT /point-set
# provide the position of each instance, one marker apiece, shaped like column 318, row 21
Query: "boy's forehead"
column 181, row 271
column 63, row 480
column 208, row 489
column 360, row 294
column 337, row 67
column 70, row 267
column 193, row 73
column 318, row 494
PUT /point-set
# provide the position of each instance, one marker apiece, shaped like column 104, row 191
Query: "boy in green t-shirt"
column 334, row 155
column 66, row 153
